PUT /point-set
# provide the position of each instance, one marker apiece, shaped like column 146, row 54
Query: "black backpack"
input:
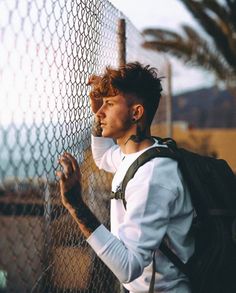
column 212, row 186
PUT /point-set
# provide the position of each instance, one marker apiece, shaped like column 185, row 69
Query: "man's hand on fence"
column 70, row 182
column 70, row 189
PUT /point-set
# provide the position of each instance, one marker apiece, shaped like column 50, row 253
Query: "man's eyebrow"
column 109, row 98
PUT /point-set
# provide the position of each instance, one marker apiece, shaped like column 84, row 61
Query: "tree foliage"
column 214, row 50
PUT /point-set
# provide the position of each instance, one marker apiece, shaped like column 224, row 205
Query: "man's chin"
column 107, row 135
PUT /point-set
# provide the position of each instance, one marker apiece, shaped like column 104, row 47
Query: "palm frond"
column 162, row 34
column 232, row 11
column 221, row 16
column 212, row 27
column 218, row 54
column 191, row 48
column 206, row 54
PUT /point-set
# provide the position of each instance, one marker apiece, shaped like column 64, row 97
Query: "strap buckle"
column 118, row 194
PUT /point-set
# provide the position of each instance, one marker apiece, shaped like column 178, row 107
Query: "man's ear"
column 137, row 112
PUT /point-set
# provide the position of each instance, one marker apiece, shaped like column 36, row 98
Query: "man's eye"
column 109, row 103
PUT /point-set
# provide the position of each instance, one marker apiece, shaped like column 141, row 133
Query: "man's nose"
column 100, row 112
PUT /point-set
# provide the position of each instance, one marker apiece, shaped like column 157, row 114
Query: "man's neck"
column 128, row 146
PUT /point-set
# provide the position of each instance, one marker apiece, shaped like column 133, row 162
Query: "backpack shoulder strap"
column 140, row 161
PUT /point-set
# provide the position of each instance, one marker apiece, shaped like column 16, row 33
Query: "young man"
column 158, row 203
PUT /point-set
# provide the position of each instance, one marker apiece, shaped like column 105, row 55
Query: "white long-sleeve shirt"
column 158, row 205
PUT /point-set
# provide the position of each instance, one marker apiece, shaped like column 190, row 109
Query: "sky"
column 168, row 14
column 30, row 77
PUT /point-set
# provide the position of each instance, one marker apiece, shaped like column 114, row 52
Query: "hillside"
column 206, row 108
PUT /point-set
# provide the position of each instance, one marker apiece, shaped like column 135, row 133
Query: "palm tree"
column 214, row 51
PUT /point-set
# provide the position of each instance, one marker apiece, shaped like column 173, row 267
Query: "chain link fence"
column 48, row 50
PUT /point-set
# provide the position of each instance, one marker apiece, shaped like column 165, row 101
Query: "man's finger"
column 60, row 175
column 67, row 165
column 74, row 162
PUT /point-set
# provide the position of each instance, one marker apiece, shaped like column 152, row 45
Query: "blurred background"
column 198, row 39
column 48, row 50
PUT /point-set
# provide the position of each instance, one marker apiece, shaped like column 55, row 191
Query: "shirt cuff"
column 103, row 141
column 99, row 238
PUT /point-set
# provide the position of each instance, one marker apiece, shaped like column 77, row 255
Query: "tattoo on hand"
column 73, row 196
column 81, row 212
column 87, row 219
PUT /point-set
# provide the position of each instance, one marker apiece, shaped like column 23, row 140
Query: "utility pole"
column 169, row 123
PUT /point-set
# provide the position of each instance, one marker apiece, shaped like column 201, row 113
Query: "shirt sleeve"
column 144, row 226
column 106, row 154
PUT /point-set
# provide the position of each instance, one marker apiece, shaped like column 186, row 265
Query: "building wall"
column 212, row 141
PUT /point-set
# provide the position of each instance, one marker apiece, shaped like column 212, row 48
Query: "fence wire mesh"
column 48, row 50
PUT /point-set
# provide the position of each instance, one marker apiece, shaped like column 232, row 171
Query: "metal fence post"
column 121, row 35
